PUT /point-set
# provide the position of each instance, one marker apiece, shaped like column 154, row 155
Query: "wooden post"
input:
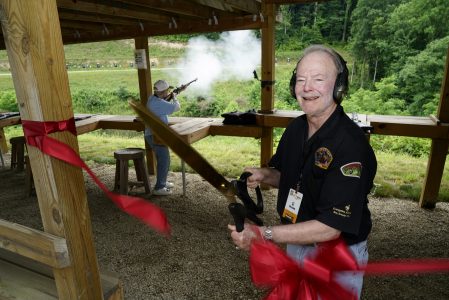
column 439, row 149
column 268, row 68
column 34, row 45
column 3, row 142
column 146, row 90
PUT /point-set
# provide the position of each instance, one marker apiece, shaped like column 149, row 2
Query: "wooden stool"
column 17, row 152
column 122, row 157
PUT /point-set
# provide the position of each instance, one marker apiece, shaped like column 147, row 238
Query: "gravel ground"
column 199, row 261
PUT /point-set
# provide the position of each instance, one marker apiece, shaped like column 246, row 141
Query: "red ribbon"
column 272, row 268
column 36, row 134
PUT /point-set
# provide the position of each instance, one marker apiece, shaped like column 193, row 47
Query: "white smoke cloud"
column 233, row 56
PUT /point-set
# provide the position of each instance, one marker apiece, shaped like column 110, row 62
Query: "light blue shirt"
column 161, row 108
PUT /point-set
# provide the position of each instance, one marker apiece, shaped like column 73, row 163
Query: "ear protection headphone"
column 341, row 83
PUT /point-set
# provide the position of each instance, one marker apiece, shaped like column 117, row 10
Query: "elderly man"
column 324, row 168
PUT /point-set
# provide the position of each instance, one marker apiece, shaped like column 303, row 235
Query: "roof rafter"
column 85, row 6
column 155, row 30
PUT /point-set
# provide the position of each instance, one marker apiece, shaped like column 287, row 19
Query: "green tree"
column 419, row 81
column 370, row 35
column 382, row 100
column 413, row 25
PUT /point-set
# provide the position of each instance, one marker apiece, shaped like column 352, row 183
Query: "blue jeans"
column 353, row 281
column 162, row 162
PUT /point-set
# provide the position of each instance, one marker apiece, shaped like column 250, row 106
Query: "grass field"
column 399, row 175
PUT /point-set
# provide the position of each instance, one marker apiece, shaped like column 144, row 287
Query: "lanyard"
column 306, row 152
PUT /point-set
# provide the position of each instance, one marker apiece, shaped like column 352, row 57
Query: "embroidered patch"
column 323, row 158
column 353, row 169
column 346, row 212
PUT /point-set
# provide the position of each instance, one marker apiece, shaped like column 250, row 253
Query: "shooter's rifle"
column 179, row 89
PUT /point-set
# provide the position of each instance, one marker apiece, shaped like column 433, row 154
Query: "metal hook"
column 105, row 29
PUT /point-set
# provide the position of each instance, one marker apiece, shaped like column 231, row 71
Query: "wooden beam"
column 178, row 7
column 292, row 1
column 215, row 4
column 86, row 17
column 40, row 246
column 145, row 85
column 83, row 25
column 140, row 14
column 23, row 278
column 248, row 6
column 267, row 83
column 439, row 148
column 36, row 55
column 182, row 27
column 146, row 89
column 410, row 126
column 218, row 128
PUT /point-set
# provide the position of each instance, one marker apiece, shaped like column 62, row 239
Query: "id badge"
column 292, row 205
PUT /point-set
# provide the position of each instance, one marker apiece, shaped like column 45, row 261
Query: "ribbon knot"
column 271, row 267
column 36, row 134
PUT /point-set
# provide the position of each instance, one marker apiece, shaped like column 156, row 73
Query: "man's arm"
column 303, row 233
column 176, row 105
column 268, row 176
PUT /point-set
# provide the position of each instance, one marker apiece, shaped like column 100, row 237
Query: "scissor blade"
column 185, row 151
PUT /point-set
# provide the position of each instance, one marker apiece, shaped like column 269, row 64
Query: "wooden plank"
column 434, row 173
column 193, row 130
column 182, row 27
column 280, row 118
column 268, row 77
column 3, row 143
column 37, row 245
column 88, row 125
column 145, row 91
column 268, row 61
column 20, row 283
column 36, row 55
column 411, row 130
column 235, row 130
column 22, row 278
column 191, row 125
column 122, row 123
column 9, row 121
column 142, row 13
column 439, row 149
column 443, row 106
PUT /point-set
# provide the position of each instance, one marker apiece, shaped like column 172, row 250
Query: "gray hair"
column 336, row 58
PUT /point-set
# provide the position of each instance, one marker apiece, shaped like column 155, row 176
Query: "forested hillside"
column 396, row 49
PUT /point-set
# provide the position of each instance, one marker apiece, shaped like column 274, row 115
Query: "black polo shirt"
column 338, row 167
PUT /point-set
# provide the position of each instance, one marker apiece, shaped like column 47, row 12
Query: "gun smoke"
column 233, row 56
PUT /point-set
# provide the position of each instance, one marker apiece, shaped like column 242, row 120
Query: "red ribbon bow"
column 271, row 267
column 36, row 134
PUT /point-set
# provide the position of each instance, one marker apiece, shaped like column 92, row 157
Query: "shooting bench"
column 28, row 258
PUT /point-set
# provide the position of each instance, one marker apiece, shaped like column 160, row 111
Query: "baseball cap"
column 161, row 85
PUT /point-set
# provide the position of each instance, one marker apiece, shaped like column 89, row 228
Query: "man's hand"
column 255, row 179
column 244, row 239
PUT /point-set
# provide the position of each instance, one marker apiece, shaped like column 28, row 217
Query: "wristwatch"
column 268, row 233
